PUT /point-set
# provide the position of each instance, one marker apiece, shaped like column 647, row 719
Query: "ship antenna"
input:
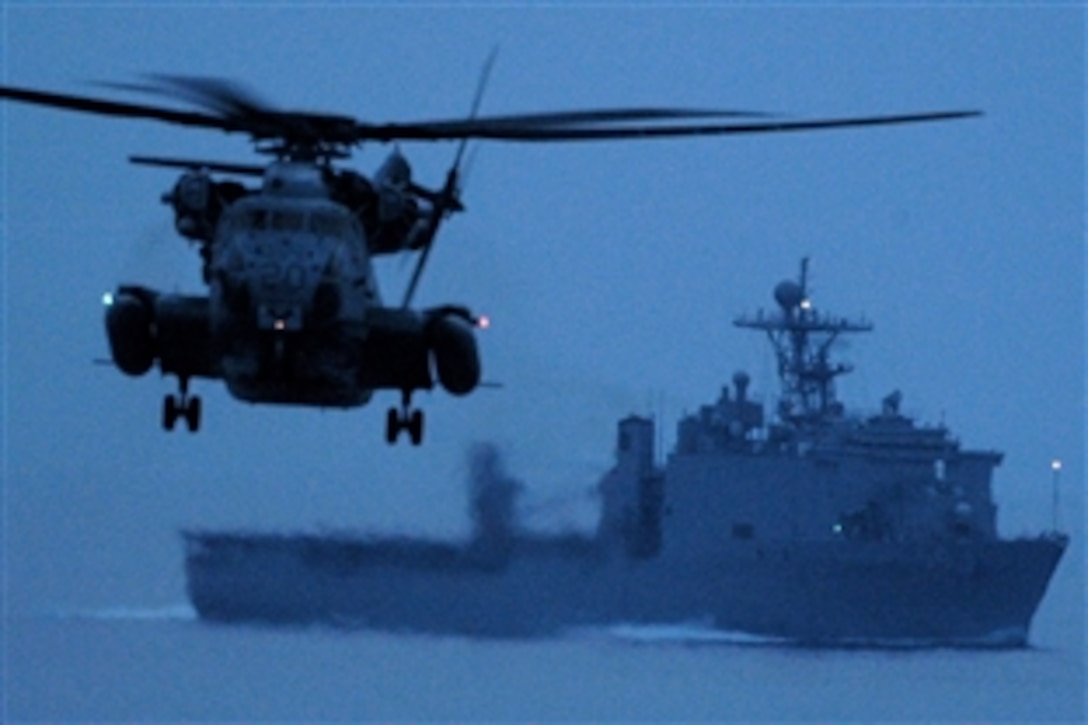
column 802, row 339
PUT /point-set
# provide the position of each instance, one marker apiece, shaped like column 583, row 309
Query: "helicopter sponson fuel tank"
column 144, row 327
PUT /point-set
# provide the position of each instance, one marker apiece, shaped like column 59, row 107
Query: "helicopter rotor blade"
column 228, row 97
column 194, row 164
column 86, row 104
column 496, row 126
column 534, row 126
column 477, row 99
column 223, row 97
column 448, row 199
column 445, row 203
column 530, row 133
column 231, row 98
column 602, row 115
column 229, row 108
column 229, row 113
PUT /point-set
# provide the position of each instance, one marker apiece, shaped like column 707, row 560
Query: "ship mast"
column 802, row 339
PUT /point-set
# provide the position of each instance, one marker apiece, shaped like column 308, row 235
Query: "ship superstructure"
column 816, row 472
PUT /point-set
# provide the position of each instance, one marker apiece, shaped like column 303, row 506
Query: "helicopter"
column 293, row 313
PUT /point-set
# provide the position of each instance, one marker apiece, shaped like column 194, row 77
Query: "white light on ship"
column 1055, row 504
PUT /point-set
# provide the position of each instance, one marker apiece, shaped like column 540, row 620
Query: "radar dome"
column 789, row 295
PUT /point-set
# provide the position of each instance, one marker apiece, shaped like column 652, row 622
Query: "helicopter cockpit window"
column 322, row 223
column 288, row 221
column 332, row 225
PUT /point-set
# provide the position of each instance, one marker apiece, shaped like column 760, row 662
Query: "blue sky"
column 611, row 271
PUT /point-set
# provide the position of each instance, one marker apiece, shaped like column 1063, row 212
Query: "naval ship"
column 806, row 524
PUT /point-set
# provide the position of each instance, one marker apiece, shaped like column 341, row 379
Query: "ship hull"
column 821, row 527
column 823, row 593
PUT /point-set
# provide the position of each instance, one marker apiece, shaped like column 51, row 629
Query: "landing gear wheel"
column 392, row 426
column 192, row 414
column 415, row 427
column 170, row 412
column 404, row 419
column 181, row 405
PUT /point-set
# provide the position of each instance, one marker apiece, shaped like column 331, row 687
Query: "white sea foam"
column 688, row 633
column 183, row 612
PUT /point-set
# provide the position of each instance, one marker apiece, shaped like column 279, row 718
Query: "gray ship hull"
column 834, row 593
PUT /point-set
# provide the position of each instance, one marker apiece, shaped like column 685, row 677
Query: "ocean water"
column 156, row 664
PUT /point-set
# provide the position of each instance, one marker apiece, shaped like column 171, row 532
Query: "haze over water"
column 163, row 665
column 611, row 273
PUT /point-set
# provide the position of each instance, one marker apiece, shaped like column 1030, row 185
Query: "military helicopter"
column 293, row 313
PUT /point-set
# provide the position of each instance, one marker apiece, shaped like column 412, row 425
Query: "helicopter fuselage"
column 290, row 286
column 293, row 313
